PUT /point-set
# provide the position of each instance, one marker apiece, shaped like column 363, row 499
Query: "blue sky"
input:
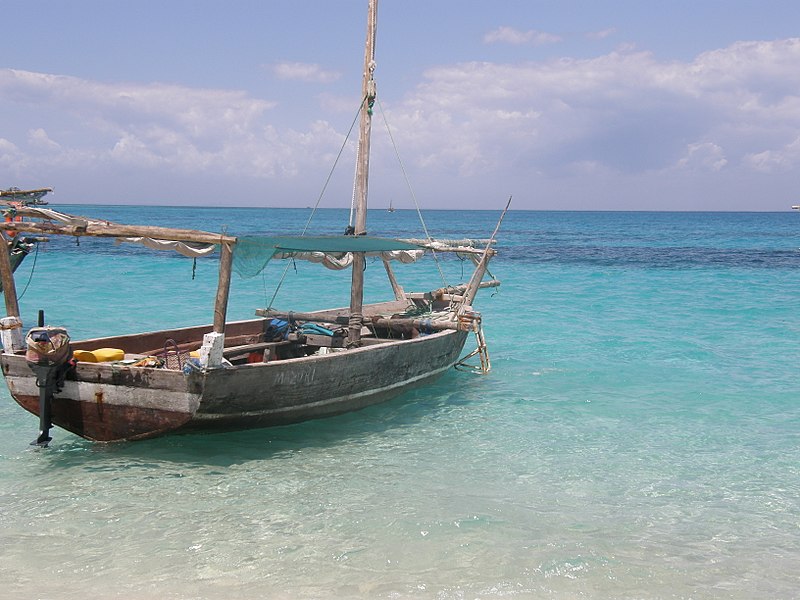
column 575, row 105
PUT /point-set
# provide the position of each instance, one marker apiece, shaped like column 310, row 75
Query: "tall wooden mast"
column 368, row 93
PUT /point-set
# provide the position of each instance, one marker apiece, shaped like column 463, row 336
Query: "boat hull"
column 110, row 402
column 283, row 392
column 104, row 403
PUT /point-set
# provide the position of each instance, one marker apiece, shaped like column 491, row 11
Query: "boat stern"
column 107, row 402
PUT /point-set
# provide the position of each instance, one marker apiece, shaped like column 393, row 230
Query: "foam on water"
column 638, row 437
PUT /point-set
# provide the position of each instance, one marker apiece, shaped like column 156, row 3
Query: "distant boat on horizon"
column 19, row 246
column 25, row 197
column 391, row 208
column 796, row 207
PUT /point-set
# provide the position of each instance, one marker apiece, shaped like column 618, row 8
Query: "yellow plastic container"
column 99, row 355
column 84, row 355
column 108, row 354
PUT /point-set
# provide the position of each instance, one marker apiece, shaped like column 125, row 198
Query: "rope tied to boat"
column 472, row 320
column 372, row 88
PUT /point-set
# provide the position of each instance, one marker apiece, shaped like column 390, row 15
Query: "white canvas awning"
column 192, row 250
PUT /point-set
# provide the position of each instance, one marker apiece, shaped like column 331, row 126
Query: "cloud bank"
column 569, row 124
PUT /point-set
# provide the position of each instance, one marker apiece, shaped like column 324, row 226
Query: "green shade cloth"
column 333, row 243
column 252, row 254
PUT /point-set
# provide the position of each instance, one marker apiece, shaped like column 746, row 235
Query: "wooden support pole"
column 223, row 287
column 368, row 93
column 398, row 323
column 399, row 294
column 448, row 293
column 7, row 277
column 356, row 300
column 474, row 283
column 113, row 230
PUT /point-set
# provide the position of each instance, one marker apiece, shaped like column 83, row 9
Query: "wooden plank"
column 247, row 348
column 95, row 228
column 449, row 293
column 335, row 314
column 399, row 323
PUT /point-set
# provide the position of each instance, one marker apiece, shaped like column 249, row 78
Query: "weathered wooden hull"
column 111, row 402
column 106, row 403
column 318, row 386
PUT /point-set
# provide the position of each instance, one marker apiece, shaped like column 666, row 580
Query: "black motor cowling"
column 49, row 356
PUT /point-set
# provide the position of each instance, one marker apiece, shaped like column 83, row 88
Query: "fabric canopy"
column 189, row 249
column 252, row 254
column 329, row 243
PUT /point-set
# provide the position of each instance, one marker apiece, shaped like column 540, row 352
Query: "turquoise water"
column 639, row 436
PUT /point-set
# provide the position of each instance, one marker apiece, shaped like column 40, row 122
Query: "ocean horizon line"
column 381, row 209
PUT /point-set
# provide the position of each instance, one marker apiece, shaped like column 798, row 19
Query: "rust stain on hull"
column 103, row 422
column 147, row 404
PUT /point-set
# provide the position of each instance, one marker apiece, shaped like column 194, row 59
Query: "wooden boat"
column 19, row 247
column 25, row 197
column 275, row 369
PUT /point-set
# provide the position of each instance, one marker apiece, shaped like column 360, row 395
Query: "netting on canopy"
column 252, row 254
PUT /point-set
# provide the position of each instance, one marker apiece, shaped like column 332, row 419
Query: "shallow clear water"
column 639, row 436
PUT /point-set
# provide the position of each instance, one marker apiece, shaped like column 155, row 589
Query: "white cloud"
column 10, row 155
column 39, row 139
column 703, row 155
column 625, row 110
column 7, row 148
column 155, row 126
column 510, row 35
column 601, row 35
column 624, row 116
column 132, row 151
column 778, row 160
column 307, row 72
column 196, row 112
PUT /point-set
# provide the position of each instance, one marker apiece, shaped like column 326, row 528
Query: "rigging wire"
column 411, row 191
column 333, row 168
column 316, row 206
column 30, row 277
column 352, row 203
column 355, row 184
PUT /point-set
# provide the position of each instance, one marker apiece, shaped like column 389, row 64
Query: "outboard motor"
column 49, row 355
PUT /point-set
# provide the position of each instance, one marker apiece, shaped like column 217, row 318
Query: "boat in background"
column 279, row 368
column 25, row 197
column 20, row 246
